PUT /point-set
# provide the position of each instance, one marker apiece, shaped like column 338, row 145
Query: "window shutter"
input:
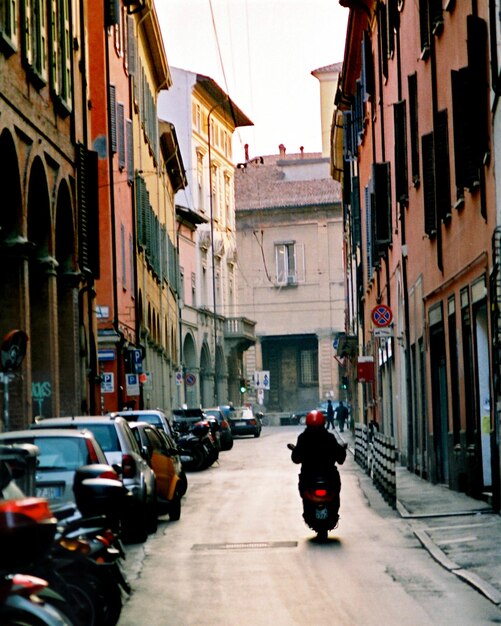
column 466, row 168
column 130, row 153
column 121, row 135
column 478, row 66
column 424, row 27
column 355, row 211
column 400, row 122
column 430, row 213
column 367, row 66
column 382, row 193
column 414, row 127
column 88, row 210
column 111, row 12
column 383, row 39
column 131, row 46
column 442, row 165
column 348, row 143
column 368, row 233
column 113, row 118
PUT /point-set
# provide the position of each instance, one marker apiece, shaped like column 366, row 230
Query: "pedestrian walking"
column 341, row 415
column 330, row 415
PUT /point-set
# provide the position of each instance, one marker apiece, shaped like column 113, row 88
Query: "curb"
column 475, row 581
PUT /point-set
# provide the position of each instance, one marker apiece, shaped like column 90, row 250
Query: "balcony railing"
column 240, row 330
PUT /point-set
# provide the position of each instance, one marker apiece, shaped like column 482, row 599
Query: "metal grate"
column 251, row 545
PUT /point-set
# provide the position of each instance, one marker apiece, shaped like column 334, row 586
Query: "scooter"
column 27, row 530
column 320, row 495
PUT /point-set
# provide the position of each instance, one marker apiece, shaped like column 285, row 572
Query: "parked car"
column 157, row 418
column 122, row 453
column 60, row 453
column 225, row 434
column 244, row 422
column 162, row 456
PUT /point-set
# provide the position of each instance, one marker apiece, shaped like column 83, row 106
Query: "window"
column 288, row 260
column 124, row 255
column 130, row 154
column 193, row 289
column 132, row 264
column 200, row 180
column 35, row 42
column 227, row 199
column 60, row 51
column 308, row 365
column 382, row 197
column 430, row 209
column 8, row 25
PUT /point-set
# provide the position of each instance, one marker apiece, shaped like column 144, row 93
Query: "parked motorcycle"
column 196, row 445
column 85, row 563
column 27, row 530
column 320, row 496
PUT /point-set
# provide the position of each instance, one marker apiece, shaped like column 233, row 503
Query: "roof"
column 277, row 182
column 328, row 69
column 221, row 98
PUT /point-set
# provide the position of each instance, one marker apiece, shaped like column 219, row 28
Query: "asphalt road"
column 242, row 555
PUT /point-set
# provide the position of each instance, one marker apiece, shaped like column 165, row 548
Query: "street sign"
column 132, row 384
column 381, row 315
column 383, row 332
column 106, row 355
column 190, row 379
column 262, row 379
column 179, row 378
column 108, row 382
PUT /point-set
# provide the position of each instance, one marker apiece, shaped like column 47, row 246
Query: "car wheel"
column 182, row 485
column 175, row 508
column 257, row 434
column 302, row 420
column 153, row 517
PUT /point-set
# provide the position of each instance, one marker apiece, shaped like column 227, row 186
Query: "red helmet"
column 315, row 419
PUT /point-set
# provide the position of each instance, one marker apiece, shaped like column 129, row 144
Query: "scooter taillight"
column 36, row 509
column 320, row 493
column 75, row 545
column 25, row 585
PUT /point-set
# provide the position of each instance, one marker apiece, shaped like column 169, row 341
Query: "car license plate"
column 321, row 513
column 53, row 491
column 240, row 424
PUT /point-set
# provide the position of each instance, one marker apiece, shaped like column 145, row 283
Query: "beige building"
column 212, row 338
column 290, row 260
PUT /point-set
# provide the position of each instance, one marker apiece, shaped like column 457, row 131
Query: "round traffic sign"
column 381, row 315
column 190, row 379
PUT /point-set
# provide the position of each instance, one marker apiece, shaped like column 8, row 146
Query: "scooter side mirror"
column 291, row 446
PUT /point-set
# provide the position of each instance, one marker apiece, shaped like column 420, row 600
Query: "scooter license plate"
column 321, row 513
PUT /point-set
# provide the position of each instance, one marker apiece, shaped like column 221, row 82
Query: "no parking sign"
column 381, row 315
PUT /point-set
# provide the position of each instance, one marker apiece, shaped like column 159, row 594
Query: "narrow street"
column 241, row 554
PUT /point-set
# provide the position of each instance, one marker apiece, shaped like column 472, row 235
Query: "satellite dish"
column 13, row 350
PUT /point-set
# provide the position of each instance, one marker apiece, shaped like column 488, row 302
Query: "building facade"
column 420, row 216
column 48, row 210
column 290, row 251
column 212, row 337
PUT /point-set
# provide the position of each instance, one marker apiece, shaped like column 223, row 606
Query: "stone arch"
column 42, row 283
column 14, row 248
column 206, row 376
column 68, row 282
column 190, row 362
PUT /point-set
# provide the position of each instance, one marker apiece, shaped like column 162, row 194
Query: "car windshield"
column 57, row 453
column 106, row 436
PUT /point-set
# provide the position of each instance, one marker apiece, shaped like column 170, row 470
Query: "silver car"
column 60, row 453
column 122, row 452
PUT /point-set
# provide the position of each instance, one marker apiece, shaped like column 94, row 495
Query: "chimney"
column 301, row 149
column 281, row 148
column 246, row 152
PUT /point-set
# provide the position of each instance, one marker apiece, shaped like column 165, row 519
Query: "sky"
column 262, row 53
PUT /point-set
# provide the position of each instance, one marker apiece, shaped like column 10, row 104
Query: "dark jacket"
column 318, row 451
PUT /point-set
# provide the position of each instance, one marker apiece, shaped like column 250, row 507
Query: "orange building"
column 420, row 214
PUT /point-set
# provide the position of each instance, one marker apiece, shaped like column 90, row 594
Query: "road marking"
column 457, row 540
column 252, row 545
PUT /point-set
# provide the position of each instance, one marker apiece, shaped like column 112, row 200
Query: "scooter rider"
column 318, row 451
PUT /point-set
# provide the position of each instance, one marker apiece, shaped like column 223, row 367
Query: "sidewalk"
column 461, row 533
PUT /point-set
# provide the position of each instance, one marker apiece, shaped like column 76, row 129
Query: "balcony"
column 239, row 332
